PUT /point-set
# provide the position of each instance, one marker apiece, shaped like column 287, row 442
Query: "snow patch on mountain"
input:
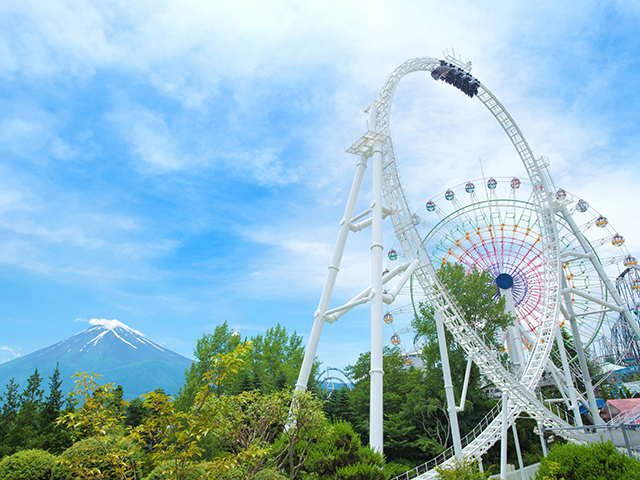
column 111, row 324
column 102, row 327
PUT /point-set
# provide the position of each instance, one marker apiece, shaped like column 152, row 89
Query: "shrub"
column 595, row 461
column 465, row 469
column 269, row 474
column 161, row 472
column 360, row 471
column 107, row 458
column 342, row 455
column 27, row 465
column 397, row 467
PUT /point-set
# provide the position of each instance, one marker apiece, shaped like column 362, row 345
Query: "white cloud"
column 111, row 324
column 7, row 353
column 150, row 140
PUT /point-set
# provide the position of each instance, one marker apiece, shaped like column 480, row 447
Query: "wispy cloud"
column 7, row 353
column 187, row 155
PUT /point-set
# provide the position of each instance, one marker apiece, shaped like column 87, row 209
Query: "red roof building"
column 627, row 406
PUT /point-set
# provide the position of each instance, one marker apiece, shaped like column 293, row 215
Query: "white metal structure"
column 555, row 294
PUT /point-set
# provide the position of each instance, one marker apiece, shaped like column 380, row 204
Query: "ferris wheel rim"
column 473, row 206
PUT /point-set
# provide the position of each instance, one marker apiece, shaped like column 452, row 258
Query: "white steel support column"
column 517, row 352
column 568, row 379
column 577, row 340
column 543, row 442
column 448, row 387
column 600, row 269
column 516, row 440
column 505, row 432
column 334, row 268
column 376, row 372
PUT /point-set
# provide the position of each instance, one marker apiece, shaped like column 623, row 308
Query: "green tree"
column 26, row 424
column 594, row 461
column 53, row 437
column 274, row 363
column 99, row 416
column 175, row 436
column 27, row 465
column 222, row 341
column 8, row 414
column 276, row 355
column 341, row 452
column 136, row 412
column 465, row 469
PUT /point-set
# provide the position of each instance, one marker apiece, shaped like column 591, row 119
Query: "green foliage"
column 474, row 291
column 174, row 436
column 595, row 461
column 250, row 420
column 25, row 425
column 398, row 467
column 222, row 341
column 307, row 428
column 274, row 363
column 8, row 415
column 28, row 421
column 53, row 437
column 163, row 472
column 269, row 474
column 465, row 469
column 337, row 406
column 104, row 458
column 27, row 465
column 360, row 471
column 101, row 408
column 136, row 412
column 342, row 455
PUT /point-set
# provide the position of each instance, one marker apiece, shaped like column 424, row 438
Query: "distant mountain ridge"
column 119, row 353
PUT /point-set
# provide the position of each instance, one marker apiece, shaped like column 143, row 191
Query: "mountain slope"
column 121, row 354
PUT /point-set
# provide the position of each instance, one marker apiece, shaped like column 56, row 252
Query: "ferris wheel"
column 492, row 224
column 528, row 233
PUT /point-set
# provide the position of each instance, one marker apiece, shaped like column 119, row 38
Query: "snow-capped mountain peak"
column 111, row 324
column 124, row 333
column 120, row 353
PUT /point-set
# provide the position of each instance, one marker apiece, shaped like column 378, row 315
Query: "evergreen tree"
column 10, row 408
column 136, row 412
column 52, row 437
column 281, row 381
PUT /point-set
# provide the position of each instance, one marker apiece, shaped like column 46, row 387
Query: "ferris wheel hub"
column 504, row 281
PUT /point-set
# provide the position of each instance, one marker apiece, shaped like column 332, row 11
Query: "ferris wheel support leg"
column 568, row 380
column 376, row 439
column 448, row 387
column 593, row 404
column 517, row 353
column 516, row 440
column 600, row 269
column 334, row 268
column 505, row 431
column 543, row 441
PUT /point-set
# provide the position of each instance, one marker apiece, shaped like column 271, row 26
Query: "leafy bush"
column 161, row 472
column 27, row 465
column 397, row 467
column 269, row 474
column 465, row 469
column 596, row 461
column 360, row 471
column 342, row 456
column 107, row 458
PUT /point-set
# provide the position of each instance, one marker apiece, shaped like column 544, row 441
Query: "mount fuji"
column 119, row 353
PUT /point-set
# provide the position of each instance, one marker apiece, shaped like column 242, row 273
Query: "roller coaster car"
column 440, row 72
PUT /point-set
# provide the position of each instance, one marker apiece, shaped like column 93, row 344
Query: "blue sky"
column 172, row 164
